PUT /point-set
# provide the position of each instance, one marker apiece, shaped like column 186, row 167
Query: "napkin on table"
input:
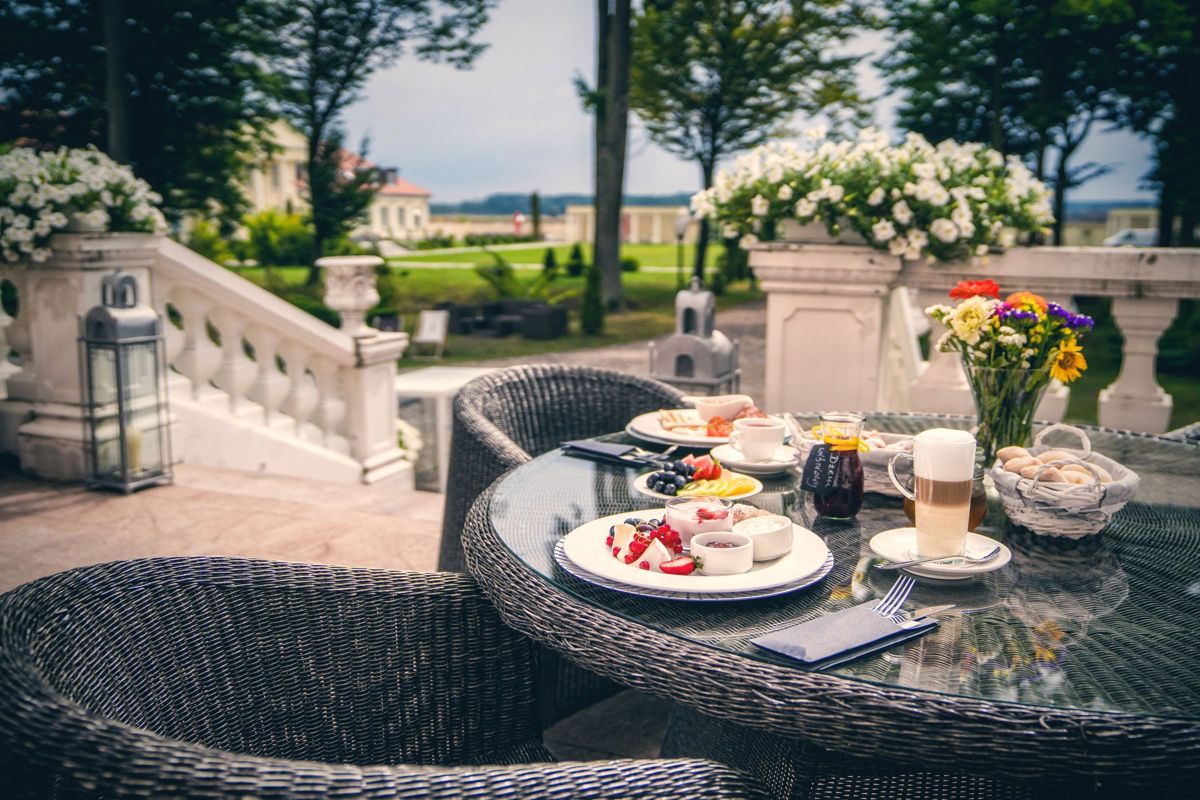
column 840, row 637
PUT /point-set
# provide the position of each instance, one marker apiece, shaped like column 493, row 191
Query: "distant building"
column 639, row 224
column 1119, row 219
column 400, row 209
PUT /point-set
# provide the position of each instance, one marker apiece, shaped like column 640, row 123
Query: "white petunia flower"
column 876, row 197
column 898, row 246
column 805, row 208
column 785, row 193
column 759, row 206
column 902, row 213
column 883, row 230
column 944, row 229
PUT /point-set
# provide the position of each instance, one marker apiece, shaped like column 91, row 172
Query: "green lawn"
column 648, row 255
column 650, row 297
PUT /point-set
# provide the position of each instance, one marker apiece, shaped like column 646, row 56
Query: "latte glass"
column 943, row 471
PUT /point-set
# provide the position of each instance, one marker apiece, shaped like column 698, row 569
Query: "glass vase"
column 1005, row 401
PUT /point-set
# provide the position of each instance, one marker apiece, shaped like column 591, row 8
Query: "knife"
column 922, row 613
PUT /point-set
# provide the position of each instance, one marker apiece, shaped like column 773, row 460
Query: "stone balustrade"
column 257, row 382
column 837, row 338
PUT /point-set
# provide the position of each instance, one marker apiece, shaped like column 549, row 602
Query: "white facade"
column 639, row 224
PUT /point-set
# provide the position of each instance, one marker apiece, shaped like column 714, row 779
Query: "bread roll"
column 1077, row 478
column 1051, row 475
column 1012, row 451
column 1030, row 471
column 1059, row 455
column 1103, row 474
column 1019, row 463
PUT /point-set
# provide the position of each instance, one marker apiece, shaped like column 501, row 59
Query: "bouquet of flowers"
column 42, row 190
column 912, row 200
column 1011, row 349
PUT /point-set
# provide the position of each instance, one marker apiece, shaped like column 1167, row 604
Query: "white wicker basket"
column 1065, row 509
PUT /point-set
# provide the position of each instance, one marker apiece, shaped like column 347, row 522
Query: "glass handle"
column 892, row 474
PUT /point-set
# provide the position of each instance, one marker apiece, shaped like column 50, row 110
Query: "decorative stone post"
column 350, row 290
column 825, row 321
column 45, row 398
column 1135, row 401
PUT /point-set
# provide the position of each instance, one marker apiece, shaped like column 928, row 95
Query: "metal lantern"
column 123, row 365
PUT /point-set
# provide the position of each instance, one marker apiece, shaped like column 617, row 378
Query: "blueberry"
column 634, row 521
column 670, row 489
column 656, row 522
column 645, row 527
column 680, row 467
column 680, row 481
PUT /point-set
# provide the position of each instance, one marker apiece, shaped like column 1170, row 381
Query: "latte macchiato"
column 943, row 468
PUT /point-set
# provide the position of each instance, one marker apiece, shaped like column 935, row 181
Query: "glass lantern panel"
column 103, row 369
column 141, row 413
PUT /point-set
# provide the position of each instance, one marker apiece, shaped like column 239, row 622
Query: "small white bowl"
column 726, row 405
column 723, row 560
column 771, row 536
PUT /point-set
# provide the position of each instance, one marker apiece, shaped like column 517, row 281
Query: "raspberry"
column 644, row 565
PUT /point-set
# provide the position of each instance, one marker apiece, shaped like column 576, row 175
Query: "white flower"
column 729, row 232
column 883, row 230
column 759, row 206
column 805, row 208
column 945, row 342
column 747, row 241
column 918, row 237
column 1011, row 339
column 944, row 229
column 835, row 193
column 898, row 246
column 902, row 213
column 981, row 249
column 938, row 310
column 816, row 132
column 785, row 193
column 876, row 197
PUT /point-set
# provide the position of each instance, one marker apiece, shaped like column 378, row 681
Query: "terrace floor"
column 48, row 527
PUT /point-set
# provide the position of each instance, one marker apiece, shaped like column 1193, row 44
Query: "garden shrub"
column 591, row 311
column 550, row 264
column 485, row 239
column 437, row 241
column 278, row 239
column 205, row 238
column 575, row 263
column 630, row 265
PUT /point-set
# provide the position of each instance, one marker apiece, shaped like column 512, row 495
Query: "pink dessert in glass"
column 693, row 515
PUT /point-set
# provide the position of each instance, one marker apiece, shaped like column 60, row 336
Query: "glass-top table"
column 1081, row 656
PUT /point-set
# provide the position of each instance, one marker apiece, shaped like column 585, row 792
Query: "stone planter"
column 350, row 290
column 77, row 222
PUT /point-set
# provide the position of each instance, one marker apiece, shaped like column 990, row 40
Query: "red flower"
column 965, row 289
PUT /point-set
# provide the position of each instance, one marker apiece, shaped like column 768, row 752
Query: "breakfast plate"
column 570, row 567
column 641, row 484
column 900, row 544
column 585, row 547
column 785, row 458
column 648, row 426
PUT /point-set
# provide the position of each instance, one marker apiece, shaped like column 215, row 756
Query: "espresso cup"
column 943, row 470
column 757, row 438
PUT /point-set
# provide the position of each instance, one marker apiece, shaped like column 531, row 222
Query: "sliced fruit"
column 684, row 565
column 656, row 554
column 622, row 535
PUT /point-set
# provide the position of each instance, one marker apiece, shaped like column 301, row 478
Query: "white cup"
column 757, row 438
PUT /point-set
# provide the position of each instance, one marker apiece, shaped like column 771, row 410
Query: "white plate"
column 785, row 458
column 642, row 481
column 900, row 544
column 560, row 558
column 585, row 547
column 647, row 426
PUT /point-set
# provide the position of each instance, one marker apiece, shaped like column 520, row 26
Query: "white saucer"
column 785, row 458
column 900, row 544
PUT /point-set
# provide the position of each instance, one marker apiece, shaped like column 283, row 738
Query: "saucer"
column 784, row 459
column 898, row 543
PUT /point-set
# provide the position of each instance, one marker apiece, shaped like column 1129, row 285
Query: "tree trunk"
column 316, row 200
column 611, row 128
column 1060, row 195
column 1187, row 226
column 702, row 234
column 116, row 87
column 1166, row 215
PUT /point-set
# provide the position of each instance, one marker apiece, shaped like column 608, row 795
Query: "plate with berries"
column 639, row 549
column 694, row 476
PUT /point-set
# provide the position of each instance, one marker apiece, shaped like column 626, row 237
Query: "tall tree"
column 183, row 100
column 609, row 103
column 1029, row 77
column 712, row 77
column 331, row 48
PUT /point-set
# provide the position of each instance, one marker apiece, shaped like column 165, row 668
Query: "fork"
column 894, row 599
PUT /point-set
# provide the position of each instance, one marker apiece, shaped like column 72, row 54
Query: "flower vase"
column 1005, row 401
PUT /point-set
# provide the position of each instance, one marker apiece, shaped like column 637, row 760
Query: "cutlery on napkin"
column 614, row 453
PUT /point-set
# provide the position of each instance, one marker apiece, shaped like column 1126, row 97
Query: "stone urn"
column 350, row 290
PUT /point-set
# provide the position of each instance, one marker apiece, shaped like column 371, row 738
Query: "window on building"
column 275, row 174
column 400, row 217
column 416, row 220
column 383, row 216
column 299, row 171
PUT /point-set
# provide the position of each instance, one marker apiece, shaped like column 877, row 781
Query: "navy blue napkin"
column 607, row 452
column 840, row 637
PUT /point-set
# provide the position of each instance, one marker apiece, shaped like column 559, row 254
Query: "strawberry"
column 714, row 472
column 644, row 565
column 684, row 565
column 704, row 514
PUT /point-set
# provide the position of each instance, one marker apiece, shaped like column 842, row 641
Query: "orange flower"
column 1018, row 299
column 984, row 288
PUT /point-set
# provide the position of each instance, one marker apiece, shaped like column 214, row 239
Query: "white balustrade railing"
column 838, row 334
column 236, row 351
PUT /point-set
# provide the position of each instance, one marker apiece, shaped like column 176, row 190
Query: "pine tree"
column 576, row 264
column 591, row 311
column 550, row 264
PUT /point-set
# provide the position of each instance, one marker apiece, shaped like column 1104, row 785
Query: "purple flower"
column 1012, row 314
column 1055, row 310
column 1081, row 322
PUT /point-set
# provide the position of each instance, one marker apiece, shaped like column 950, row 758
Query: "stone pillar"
column 1135, row 401
column 370, row 391
column 941, row 387
column 53, row 295
column 825, row 321
column 350, row 290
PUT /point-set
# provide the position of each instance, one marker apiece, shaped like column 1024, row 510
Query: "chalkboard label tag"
column 821, row 470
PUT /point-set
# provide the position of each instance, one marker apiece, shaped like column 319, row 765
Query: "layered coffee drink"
column 943, row 469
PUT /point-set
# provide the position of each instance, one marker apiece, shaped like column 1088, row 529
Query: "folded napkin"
column 609, row 452
column 840, row 637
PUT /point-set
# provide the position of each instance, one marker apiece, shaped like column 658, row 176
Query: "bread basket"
column 1065, row 509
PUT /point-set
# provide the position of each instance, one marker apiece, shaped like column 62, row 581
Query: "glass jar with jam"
column 838, row 489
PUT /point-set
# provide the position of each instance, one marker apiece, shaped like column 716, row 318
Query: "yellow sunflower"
column 1070, row 363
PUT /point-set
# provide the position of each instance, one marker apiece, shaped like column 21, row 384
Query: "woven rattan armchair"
column 215, row 678
column 505, row 418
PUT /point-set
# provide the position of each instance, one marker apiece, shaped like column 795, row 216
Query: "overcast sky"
column 513, row 123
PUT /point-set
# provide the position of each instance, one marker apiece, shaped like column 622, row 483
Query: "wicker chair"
column 213, row 677
column 502, row 420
